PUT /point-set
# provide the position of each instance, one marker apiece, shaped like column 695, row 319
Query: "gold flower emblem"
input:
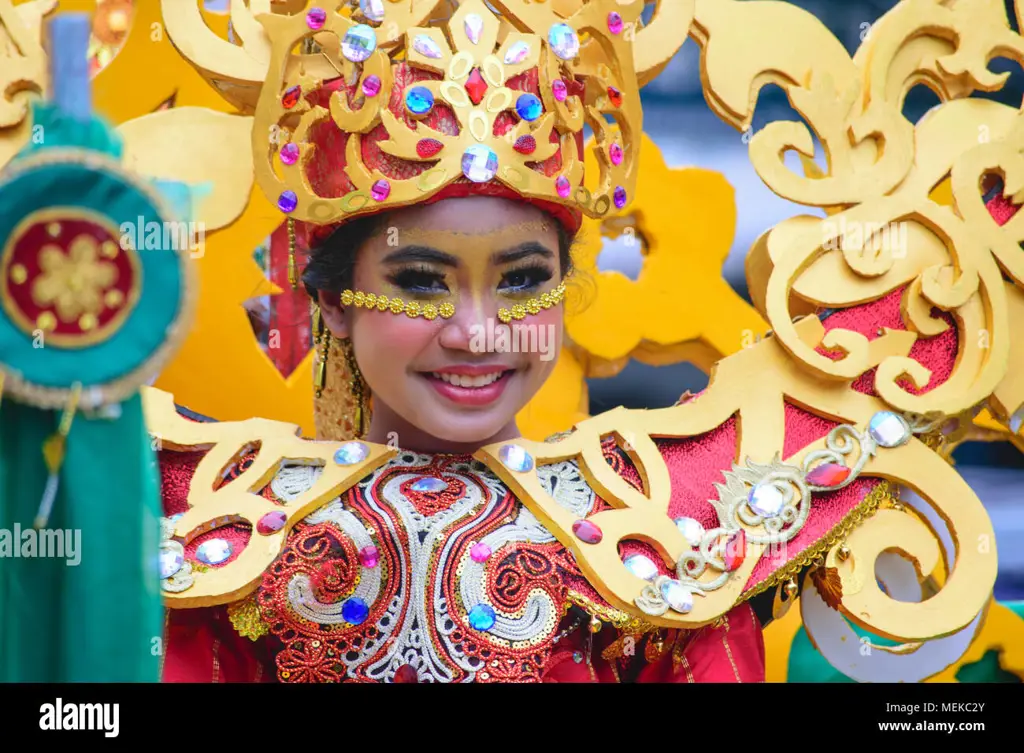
column 74, row 283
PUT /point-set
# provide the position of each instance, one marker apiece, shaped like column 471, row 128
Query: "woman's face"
column 446, row 383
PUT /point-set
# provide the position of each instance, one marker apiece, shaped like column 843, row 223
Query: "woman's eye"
column 420, row 282
column 525, row 279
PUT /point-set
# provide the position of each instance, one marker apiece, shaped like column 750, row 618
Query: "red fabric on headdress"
column 325, row 168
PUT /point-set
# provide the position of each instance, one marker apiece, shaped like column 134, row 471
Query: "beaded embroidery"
column 424, row 581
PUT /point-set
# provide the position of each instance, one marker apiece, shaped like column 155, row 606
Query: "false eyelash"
column 539, row 273
column 410, row 280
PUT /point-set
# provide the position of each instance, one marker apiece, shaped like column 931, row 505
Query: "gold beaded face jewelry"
column 446, row 310
column 533, row 306
column 412, row 309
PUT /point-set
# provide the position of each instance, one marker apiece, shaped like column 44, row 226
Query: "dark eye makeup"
column 427, row 280
column 525, row 278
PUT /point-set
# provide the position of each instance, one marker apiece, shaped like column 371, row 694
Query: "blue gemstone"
column 351, row 453
column 529, row 107
column 428, row 484
column 481, row 617
column 354, row 611
column 419, row 100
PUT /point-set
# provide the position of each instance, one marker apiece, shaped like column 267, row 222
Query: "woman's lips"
column 470, row 389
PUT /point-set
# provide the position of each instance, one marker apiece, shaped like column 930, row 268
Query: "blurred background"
column 677, row 117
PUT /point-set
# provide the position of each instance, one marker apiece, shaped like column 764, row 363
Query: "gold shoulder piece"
column 213, row 503
column 754, row 385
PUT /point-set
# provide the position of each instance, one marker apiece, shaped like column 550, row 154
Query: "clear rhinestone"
column 474, row 25
column 692, row 531
column 372, row 9
column 564, row 41
column 426, row 46
column 767, row 500
column 641, row 566
column 359, row 43
column 515, row 457
column 479, row 163
column 428, row 484
column 888, row 429
column 172, row 558
column 351, row 453
column 678, row 596
column 517, row 53
column 214, row 551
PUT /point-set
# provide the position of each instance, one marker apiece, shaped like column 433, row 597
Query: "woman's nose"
column 465, row 328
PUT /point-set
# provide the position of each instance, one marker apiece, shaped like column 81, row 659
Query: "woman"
column 401, row 556
column 441, row 395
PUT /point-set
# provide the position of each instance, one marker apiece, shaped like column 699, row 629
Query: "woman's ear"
column 333, row 314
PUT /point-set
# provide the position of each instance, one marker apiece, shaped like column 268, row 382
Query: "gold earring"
column 359, row 390
column 322, row 344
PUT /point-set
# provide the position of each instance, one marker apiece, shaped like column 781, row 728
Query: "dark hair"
column 331, row 263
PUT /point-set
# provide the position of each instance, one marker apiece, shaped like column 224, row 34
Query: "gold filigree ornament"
column 569, row 41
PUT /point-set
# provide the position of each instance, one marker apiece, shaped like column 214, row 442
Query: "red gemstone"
column 587, row 532
column 291, row 97
column 427, row 148
column 526, row 144
column 476, row 87
column 828, row 474
column 406, row 673
column 272, row 522
column 615, row 96
column 735, row 550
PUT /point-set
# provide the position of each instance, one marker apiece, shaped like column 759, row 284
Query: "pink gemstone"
column 614, row 23
column 828, row 474
column 369, row 556
column 380, row 190
column 560, row 90
column 480, row 552
column 315, row 18
column 587, row 532
column 406, row 674
column 735, row 550
column 270, row 523
column 290, row 153
column 615, row 152
column 563, row 186
column 371, row 86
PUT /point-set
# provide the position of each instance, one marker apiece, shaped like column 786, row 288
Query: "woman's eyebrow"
column 522, row 251
column 421, row 254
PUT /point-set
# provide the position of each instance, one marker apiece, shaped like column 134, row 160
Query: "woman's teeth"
column 460, row 380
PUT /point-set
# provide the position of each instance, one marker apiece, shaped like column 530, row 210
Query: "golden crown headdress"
column 375, row 104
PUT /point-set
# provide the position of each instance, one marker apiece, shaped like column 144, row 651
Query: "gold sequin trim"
column 868, row 507
column 619, row 620
column 246, row 618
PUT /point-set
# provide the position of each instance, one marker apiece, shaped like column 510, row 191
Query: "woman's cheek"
column 546, row 338
column 387, row 344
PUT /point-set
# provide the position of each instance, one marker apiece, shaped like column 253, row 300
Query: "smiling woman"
column 450, row 269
